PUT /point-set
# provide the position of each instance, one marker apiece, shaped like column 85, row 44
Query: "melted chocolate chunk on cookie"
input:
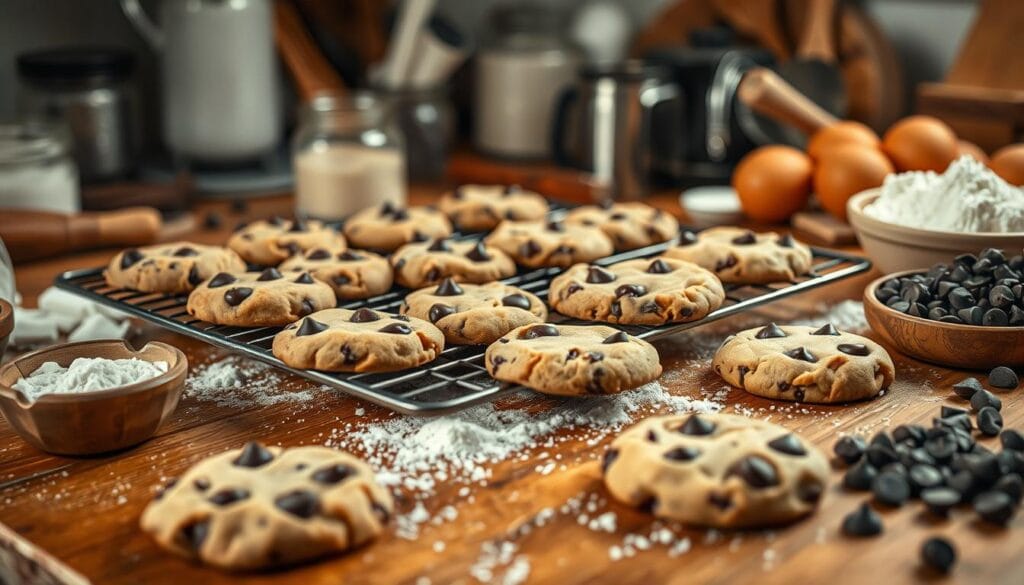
column 726, row 263
column 809, row 491
column 682, row 454
column 194, row 278
column 786, row 241
column 573, row 354
column 742, row 372
column 801, row 353
column 349, row 255
column 448, row 288
column 293, row 248
column 228, row 496
column 478, row 253
column 418, row 236
column 439, row 311
column 318, row 254
column 632, row 290
column 193, row 535
column 432, row 275
column 745, row 240
column 440, row 245
column 305, row 278
column 609, row 457
column 516, row 300
column 130, row 257
column 364, row 316
column 697, row 426
column 595, row 356
column 396, row 328
column 687, row 238
column 653, row 307
column 332, row 474
column 270, row 274
column 341, row 280
column 617, row 216
column 201, row 484
column 770, row 332
column 572, row 289
column 536, row 331
column 221, row 279
column 756, row 471
column 348, row 355
column 788, row 444
column 301, row 503
column 310, row 327
column 555, row 226
column 529, row 249
column 594, row 386
column 826, row 329
column 659, row 266
column 854, row 349
column 618, row 337
column 253, row 455
column 598, row 275
column 185, row 252
column 298, row 226
column 616, row 309
column 235, row 296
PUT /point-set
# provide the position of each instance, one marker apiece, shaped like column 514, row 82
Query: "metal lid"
column 76, row 64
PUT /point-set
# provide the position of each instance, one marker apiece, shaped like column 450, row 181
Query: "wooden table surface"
column 84, row 511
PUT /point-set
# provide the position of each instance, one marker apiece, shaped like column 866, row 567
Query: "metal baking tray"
column 457, row 378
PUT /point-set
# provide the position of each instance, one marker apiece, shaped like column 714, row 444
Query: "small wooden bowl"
column 970, row 347
column 93, row 422
column 6, row 325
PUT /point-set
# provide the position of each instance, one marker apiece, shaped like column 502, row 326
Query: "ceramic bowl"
column 894, row 247
column 6, row 325
column 93, row 422
column 970, row 347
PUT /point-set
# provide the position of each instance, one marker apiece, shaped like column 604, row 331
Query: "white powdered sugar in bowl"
column 968, row 197
column 87, row 375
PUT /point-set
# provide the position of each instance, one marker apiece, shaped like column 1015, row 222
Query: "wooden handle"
column 817, row 39
column 769, row 95
column 309, row 68
column 30, row 235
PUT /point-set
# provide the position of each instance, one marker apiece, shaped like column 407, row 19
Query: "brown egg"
column 773, row 183
column 1008, row 163
column 969, row 148
column 920, row 143
column 841, row 133
column 846, row 170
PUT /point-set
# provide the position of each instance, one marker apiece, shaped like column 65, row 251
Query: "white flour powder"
column 87, row 375
column 968, row 197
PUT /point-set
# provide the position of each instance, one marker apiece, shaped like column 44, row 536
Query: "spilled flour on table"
column 238, row 382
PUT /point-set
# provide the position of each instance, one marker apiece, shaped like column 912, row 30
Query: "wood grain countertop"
column 519, row 522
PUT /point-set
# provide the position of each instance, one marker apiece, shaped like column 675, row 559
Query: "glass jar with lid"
column 348, row 155
column 36, row 168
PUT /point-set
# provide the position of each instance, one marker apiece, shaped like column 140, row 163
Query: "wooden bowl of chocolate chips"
column 971, row 324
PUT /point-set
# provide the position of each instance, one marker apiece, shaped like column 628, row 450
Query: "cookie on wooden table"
column 387, row 227
column 262, row 507
column 477, row 208
column 172, row 268
column 549, row 243
column 251, row 299
column 572, row 360
column 642, row 291
column 805, row 364
column 270, row 242
column 472, row 314
column 353, row 274
column 716, row 470
column 426, row 263
column 340, row 340
column 630, row 225
column 741, row 256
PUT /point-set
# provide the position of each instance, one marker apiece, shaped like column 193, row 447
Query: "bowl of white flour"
column 92, row 396
column 918, row 219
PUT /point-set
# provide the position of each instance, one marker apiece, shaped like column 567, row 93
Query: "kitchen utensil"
column 310, row 70
column 614, row 107
column 764, row 92
column 440, row 49
column 90, row 90
column 6, row 324
column 220, row 88
column 970, row 347
column 894, row 247
column 99, row 421
column 520, row 72
column 812, row 71
column 395, row 71
column 40, row 234
column 36, row 168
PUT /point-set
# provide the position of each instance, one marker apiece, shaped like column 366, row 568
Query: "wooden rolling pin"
column 769, row 95
column 30, row 235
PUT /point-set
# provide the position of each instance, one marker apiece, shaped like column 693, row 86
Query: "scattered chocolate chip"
column 850, row 449
column 253, row 455
column 801, row 353
column 364, row 316
column 967, row 387
column 938, row 554
column 862, row 522
column 770, row 332
column 235, row 296
column 745, row 240
column 130, row 257
column 269, row 274
column 598, row 275
column 397, row 328
column 228, row 496
column 682, row 454
column 983, row 398
column 788, row 444
column 276, row 221
column 516, row 300
column 618, row 337
column 536, row 331
column 439, row 311
column 301, row 503
column 720, row 501
column 310, row 327
column 478, row 253
column 332, row 474
column 697, row 426
column 860, row 476
column 940, row 500
column 990, row 422
column 448, row 288
column 1003, row 377
column 659, row 266
column 995, row 507
column 1012, row 439
column 858, row 349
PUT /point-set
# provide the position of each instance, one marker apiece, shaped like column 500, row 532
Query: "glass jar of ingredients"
column 36, row 168
column 347, row 156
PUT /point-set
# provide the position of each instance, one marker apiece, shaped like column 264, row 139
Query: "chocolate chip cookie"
column 478, row 208
column 251, row 299
column 340, row 340
column 471, row 314
column 641, row 291
column 169, row 268
column 572, row 360
column 426, row 263
column 630, row 225
column 716, row 470
column 270, row 242
column 740, row 256
column 261, row 507
column 388, row 227
column 353, row 274
column 805, row 364
column 549, row 243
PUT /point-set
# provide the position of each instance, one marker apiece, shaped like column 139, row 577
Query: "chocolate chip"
column 212, row 220
column 995, row 507
column 298, row 226
column 401, row 318
column 194, row 534
column 653, row 307
column 332, row 474
column 618, row 337
column 858, row 349
column 185, row 251
column 235, row 296
column 720, row 501
column 194, row 278
column 745, row 240
column 563, row 250
column 301, row 503
column 341, row 280
column 616, row 309
column 632, row 290
column 967, row 387
column 687, row 238
column 938, row 553
column 478, row 253
column 397, row 328
column 439, row 311
column 440, row 245
column 349, row 255
column 516, row 300
column 786, row 241
column 659, row 266
column 387, row 208
column 364, row 316
column 510, row 214
column 598, row 275
column 573, row 354
column 983, row 398
column 253, row 455
column 306, row 307
column 269, row 274
column 276, row 221
column 200, row 483
column 801, row 353
column 1012, row 439
column 1003, row 377
column 757, row 471
column 433, row 274
column 609, row 457
column 305, row 278
column 400, row 215
column 726, row 263
column 862, row 522
column 573, row 288
column 682, row 454
column 228, row 496
column 595, row 356
column 529, row 249
column 546, row 330
column 850, row 449
column 826, row 329
column 555, row 226
column 348, row 355
column 788, row 444
column 697, row 426
column 418, row 236
column 448, row 288
column 130, row 257
column 940, row 500
column 890, row 488
column 860, row 476
column 770, row 332
column 809, row 491
column 990, row 422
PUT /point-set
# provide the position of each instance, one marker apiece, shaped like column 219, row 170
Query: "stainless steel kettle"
column 604, row 124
